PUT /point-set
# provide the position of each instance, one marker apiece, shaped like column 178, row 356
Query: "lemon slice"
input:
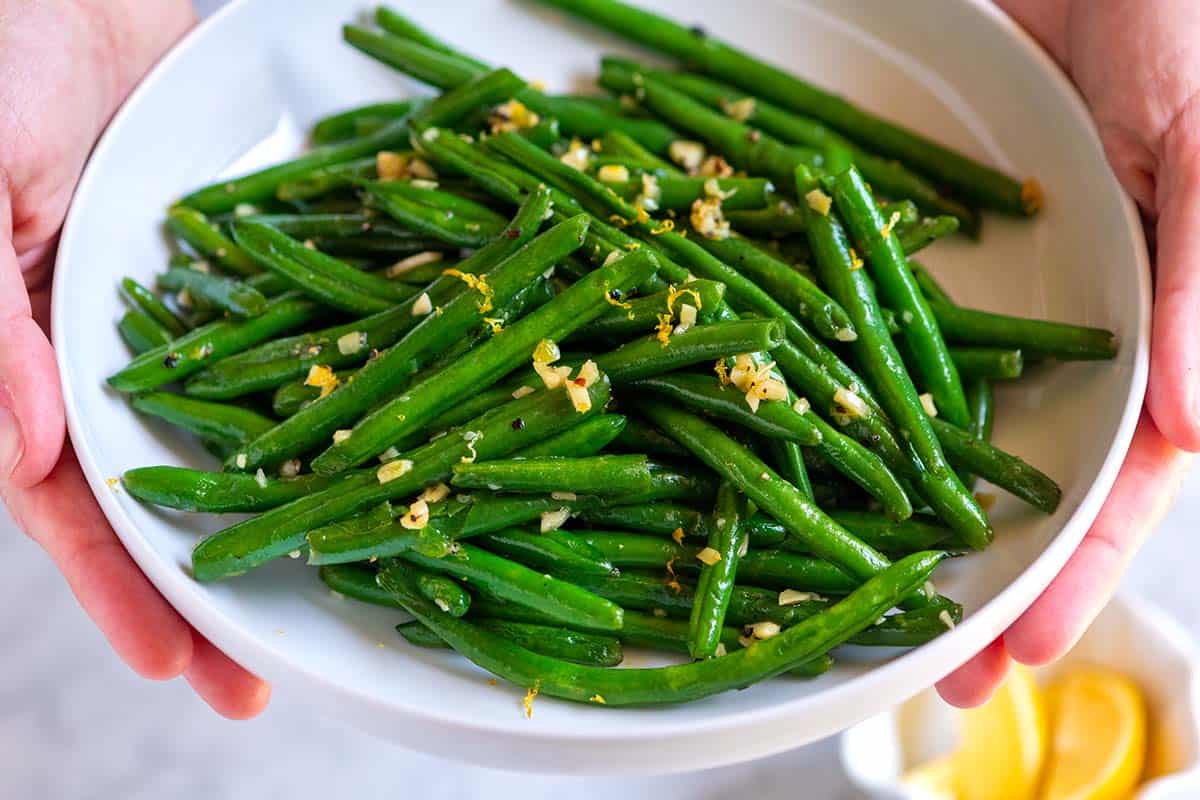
column 1004, row 742
column 935, row 780
column 1098, row 745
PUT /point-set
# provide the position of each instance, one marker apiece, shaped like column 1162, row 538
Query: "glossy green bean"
column 679, row 193
column 996, row 466
column 992, row 363
column 208, row 240
column 805, row 641
column 219, row 421
column 482, row 366
column 142, row 298
column 345, row 124
column 141, row 332
column 197, row 349
column 483, row 90
column 225, row 294
column 640, row 315
column 1034, row 337
column 218, row 492
column 606, row 474
column 548, row 640
column 444, row 593
column 557, row 550
column 581, row 441
column 258, row 540
column 715, row 582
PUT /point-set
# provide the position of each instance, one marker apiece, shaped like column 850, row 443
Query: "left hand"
column 1137, row 64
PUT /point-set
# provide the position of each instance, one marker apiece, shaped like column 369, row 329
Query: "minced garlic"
column 435, row 493
column 741, row 110
column 391, row 166
column 687, row 154
column 819, row 202
column 578, row 155
column 412, row 262
column 709, row 220
column 790, row 597
column 422, row 306
column 417, row 516
column 651, row 193
column 708, row 556
column 613, row 173
column 928, row 404
column 522, row 391
column 553, row 520
column 850, row 403
column 763, row 630
column 715, row 167
column 393, row 469
column 350, row 343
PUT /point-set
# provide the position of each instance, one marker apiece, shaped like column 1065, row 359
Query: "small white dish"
column 241, row 90
column 1130, row 636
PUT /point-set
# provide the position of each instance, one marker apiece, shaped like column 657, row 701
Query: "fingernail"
column 11, row 444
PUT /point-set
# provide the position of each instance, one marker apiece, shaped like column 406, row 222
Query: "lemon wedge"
column 934, row 780
column 1098, row 744
column 1003, row 743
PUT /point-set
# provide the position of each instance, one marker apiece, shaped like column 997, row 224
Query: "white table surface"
column 76, row 723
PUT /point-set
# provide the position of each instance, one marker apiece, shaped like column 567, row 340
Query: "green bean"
column 217, row 492
column 981, row 400
column 927, row 230
column 638, row 315
column 967, row 177
column 340, row 536
column 777, row 420
column 383, row 376
column 749, row 149
column 793, row 290
column 789, row 463
column 740, row 466
column 889, row 177
column 881, row 361
column 344, row 124
column 910, row 628
column 803, row 642
column 141, row 332
column 320, row 276
column 929, row 285
column 622, row 145
column 649, row 356
column 290, row 397
column 225, row 294
column 335, row 226
column 1037, row 338
column 322, row 181
column 547, row 640
column 585, row 439
column 142, row 298
column 662, row 518
column 897, row 537
column 208, row 240
column 357, row 582
column 992, row 363
column 715, row 583
column 781, row 219
column 607, row 474
column 996, row 466
column 898, row 289
column 450, row 218
column 486, row 89
column 219, row 421
column 553, row 550
column 483, row 365
column 679, row 193
column 272, row 364
column 639, row 436
column 254, row 542
column 444, row 593
column 255, row 187
column 508, row 580
column 197, row 349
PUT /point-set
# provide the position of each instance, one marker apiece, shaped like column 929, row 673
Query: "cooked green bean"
column 717, row 573
column 220, row 421
column 218, row 492
column 998, row 467
column 508, row 580
column 322, row 277
column 225, row 195
column 281, row 530
column 622, row 145
column 607, row 474
column 384, row 375
column 639, row 436
column 898, row 289
column 559, row 551
column 969, row 178
column 222, row 293
column 580, row 441
column 345, row 124
column 877, row 353
column 208, row 240
column 197, row 349
column 486, row 89
column 993, row 363
column 146, row 300
column 444, row 593
column 1034, row 337
column 680, row 193
column 141, row 332
column 803, row 642
column 483, row 365
column 547, row 640
column 640, row 315
column 649, row 356
column 910, row 628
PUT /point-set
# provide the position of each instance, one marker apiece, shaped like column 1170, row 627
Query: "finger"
column 974, row 682
column 230, row 690
column 1173, row 395
column 1144, row 490
column 31, row 410
column 62, row 516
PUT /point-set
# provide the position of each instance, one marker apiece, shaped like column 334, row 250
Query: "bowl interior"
column 242, row 91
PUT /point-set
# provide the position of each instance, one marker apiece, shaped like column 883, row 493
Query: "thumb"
column 31, row 408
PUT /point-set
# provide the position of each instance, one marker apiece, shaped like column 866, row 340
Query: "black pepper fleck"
column 171, row 360
column 518, row 424
column 515, row 233
column 698, row 31
column 615, row 294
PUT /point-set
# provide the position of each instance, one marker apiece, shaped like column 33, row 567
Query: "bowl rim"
column 893, row 678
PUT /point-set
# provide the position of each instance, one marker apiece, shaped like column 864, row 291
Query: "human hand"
column 1137, row 65
column 65, row 66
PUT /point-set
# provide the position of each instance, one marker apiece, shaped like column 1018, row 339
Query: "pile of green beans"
column 651, row 403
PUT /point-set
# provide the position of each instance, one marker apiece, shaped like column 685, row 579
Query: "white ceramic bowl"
column 1130, row 636
column 240, row 92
